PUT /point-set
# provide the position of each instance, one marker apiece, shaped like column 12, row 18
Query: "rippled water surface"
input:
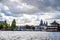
column 27, row 35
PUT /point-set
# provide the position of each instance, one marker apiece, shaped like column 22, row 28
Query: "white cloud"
column 29, row 11
column 6, row 8
column 26, row 19
column 8, row 18
column 25, row 6
column 13, row 0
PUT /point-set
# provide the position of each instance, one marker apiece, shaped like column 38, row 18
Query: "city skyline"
column 29, row 11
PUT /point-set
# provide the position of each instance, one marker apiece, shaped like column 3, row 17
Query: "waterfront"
column 29, row 35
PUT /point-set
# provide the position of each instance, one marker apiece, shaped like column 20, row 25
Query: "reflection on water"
column 23, row 35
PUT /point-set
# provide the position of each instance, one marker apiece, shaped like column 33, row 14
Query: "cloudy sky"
column 29, row 11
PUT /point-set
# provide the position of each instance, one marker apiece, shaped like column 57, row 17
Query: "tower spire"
column 41, row 22
column 46, row 23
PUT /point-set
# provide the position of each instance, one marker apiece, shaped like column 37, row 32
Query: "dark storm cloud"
column 47, row 9
column 42, row 5
column 45, row 5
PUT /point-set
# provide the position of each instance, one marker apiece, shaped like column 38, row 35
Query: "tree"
column 6, row 25
column 27, row 27
column 1, row 26
column 13, row 25
column 33, row 27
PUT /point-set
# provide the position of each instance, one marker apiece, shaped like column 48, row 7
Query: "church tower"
column 46, row 23
column 41, row 23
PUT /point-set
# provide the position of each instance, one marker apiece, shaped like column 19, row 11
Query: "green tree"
column 33, row 27
column 27, row 27
column 9, row 27
column 13, row 25
column 1, row 26
column 6, row 25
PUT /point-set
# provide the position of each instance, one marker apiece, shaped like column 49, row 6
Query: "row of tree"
column 5, row 26
column 30, row 27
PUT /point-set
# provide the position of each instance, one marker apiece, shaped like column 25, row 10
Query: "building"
column 42, row 26
column 53, row 27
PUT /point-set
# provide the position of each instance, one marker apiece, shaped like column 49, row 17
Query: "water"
column 29, row 35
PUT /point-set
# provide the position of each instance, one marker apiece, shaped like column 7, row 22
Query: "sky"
column 29, row 11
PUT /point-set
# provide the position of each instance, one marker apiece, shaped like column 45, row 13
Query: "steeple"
column 46, row 23
column 41, row 22
column 5, row 21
